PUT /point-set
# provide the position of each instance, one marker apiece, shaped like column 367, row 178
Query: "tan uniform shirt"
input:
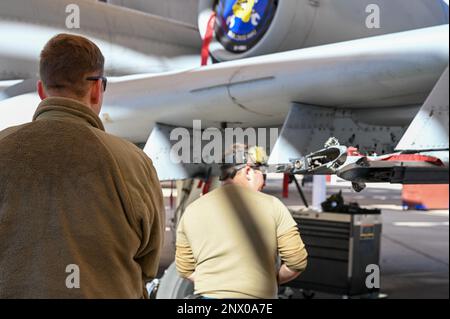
column 231, row 238
column 70, row 194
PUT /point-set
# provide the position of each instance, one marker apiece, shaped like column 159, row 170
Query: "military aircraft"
column 372, row 74
column 357, row 70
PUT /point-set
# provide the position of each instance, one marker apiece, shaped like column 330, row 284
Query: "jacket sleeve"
column 137, row 183
column 291, row 248
column 148, row 205
column 184, row 257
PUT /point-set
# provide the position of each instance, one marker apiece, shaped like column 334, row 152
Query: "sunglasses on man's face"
column 262, row 169
column 96, row 78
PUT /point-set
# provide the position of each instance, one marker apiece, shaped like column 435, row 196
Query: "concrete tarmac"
column 414, row 248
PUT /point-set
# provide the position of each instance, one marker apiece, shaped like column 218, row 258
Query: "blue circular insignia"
column 242, row 23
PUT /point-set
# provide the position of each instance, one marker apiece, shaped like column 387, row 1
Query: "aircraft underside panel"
column 174, row 155
column 308, row 127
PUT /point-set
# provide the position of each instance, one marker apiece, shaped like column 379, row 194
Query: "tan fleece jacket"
column 71, row 194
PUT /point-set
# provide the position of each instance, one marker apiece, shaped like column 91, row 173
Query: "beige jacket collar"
column 67, row 109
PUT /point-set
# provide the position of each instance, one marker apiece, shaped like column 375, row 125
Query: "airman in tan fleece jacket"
column 71, row 194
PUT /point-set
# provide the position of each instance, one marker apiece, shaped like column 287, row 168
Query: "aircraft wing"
column 379, row 73
column 384, row 71
column 383, row 80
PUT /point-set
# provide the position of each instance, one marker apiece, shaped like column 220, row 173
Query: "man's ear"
column 96, row 91
column 41, row 90
column 247, row 170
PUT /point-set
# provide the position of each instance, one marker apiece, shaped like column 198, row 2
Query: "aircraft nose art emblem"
column 242, row 23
